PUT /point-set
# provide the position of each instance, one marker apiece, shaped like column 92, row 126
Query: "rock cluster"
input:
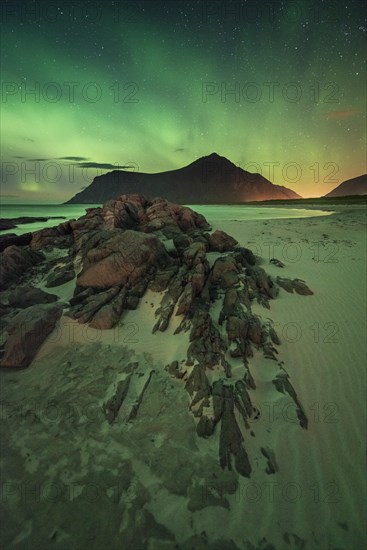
column 132, row 244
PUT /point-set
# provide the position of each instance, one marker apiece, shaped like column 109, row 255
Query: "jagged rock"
column 244, row 256
column 162, row 278
column 219, row 241
column 16, row 261
column 113, row 405
column 27, row 295
column 231, row 305
column 165, row 313
column 59, row 237
column 231, row 440
column 276, row 262
column 26, row 332
column 206, row 345
column 199, row 276
column 296, row 284
column 283, row 385
column 262, row 283
column 109, row 314
column 85, row 311
column 135, row 407
column 254, row 329
column 139, row 288
column 133, row 244
column 131, row 302
column 242, row 401
column 126, row 212
column 194, row 254
column 197, row 382
column 182, row 241
column 125, row 258
column 272, row 465
column 60, row 276
column 13, row 239
column 174, row 370
column 205, row 427
column 301, row 288
column 185, row 302
column 80, row 295
column 225, row 272
column 136, row 212
column 274, row 336
column 176, row 285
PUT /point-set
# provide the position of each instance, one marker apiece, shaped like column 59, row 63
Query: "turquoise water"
column 213, row 213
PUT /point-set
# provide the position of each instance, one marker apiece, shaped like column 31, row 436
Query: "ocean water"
column 213, row 213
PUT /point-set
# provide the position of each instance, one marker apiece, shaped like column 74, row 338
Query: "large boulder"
column 219, row 241
column 60, row 276
column 27, row 295
column 14, row 262
column 58, row 236
column 26, row 332
column 125, row 258
column 126, row 212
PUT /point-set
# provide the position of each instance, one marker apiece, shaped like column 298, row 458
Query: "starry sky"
column 277, row 87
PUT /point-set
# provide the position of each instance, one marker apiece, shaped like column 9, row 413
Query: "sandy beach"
column 63, row 464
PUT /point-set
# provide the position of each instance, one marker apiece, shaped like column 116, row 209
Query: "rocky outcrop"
column 27, row 296
column 219, row 241
column 26, row 332
column 12, row 239
column 125, row 258
column 132, row 244
column 296, row 285
column 16, row 262
column 60, row 275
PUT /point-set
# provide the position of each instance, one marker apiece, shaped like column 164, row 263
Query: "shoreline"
column 315, row 497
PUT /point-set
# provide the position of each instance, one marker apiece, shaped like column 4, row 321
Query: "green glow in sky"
column 153, row 114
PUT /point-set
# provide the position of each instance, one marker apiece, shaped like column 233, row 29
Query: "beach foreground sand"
column 70, row 479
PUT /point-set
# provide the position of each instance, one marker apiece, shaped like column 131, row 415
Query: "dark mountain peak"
column 211, row 179
column 353, row 186
column 215, row 160
column 215, row 156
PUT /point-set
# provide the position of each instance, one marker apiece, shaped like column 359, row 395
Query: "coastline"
column 318, row 493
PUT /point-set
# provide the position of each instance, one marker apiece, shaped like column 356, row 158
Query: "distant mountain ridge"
column 210, row 179
column 354, row 186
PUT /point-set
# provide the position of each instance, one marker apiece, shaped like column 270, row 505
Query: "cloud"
column 77, row 159
column 180, row 150
column 104, row 166
column 337, row 115
column 9, row 196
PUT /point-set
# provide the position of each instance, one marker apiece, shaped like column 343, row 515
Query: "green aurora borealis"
column 160, row 57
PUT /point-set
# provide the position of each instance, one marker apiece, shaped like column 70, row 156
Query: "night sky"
column 147, row 85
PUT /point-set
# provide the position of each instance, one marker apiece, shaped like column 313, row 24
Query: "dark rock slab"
column 231, row 440
column 26, row 333
column 11, row 239
column 272, row 465
column 296, row 285
column 27, row 295
column 219, row 241
column 15, row 261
